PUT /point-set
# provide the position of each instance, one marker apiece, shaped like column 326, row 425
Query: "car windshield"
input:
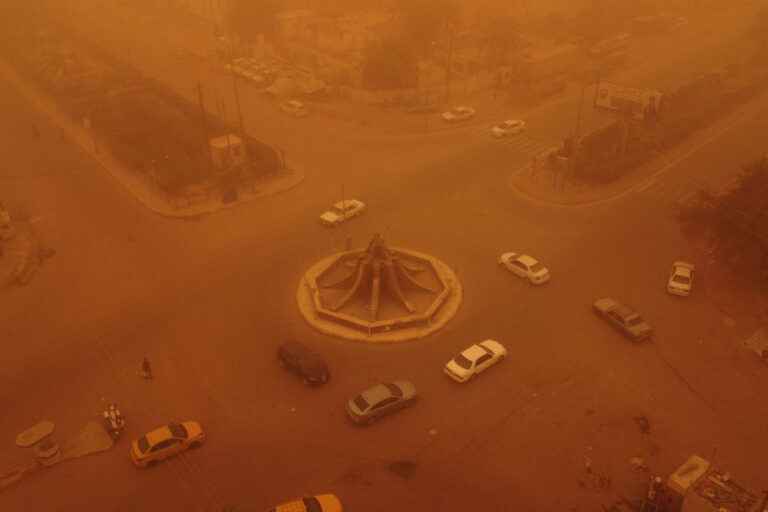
column 537, row 267
column 143, row 444
column 462, row 361
column 312, row 505
column 361, row 403
column 396, row 391
column 681, row 279
column 635, row 320
column 178, row 430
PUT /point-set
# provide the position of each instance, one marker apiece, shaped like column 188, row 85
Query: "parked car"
column 303, row 361
column 458, row 114
column 380, row 400
column 166, row 441
column 508, row 127
column 474, row 360
column 623, row 318
column 680, row 279
column 319, row 503
column 295, row 108
column 525, row 266
column 342, row 211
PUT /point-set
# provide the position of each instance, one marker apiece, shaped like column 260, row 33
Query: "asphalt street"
column 209, row 300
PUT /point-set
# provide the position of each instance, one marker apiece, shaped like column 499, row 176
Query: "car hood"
column 353, row 408
column 456, row 369
column 679, row 286
column 541, row 273
column 193, row 429
column 409, row 390
column 641, row 328
column 605, row 304
column 135, row 453
column 314, row 369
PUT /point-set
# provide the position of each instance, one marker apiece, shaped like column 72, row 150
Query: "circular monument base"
column 304, row 298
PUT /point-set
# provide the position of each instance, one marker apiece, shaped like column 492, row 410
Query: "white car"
column 458, row 114
column 474, row 360
column 342, row 211
column 294, row 108
column 525, row 266
column 681, row 278
column 508, row 127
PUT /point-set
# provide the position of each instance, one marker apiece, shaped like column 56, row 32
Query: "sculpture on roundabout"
column 379, row 292
column 376, row 268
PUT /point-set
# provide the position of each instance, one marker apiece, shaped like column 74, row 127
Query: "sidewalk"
column 142, row 190
column 538, row 185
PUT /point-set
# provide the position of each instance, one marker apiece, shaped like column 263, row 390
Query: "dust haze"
column 383, row 256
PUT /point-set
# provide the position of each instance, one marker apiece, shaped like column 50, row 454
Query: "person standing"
column 146, row 369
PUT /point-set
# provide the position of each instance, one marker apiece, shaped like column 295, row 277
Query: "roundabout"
column 379, row 294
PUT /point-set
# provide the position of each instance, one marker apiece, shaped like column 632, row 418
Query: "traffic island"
column 47, row 453
column 379, row 294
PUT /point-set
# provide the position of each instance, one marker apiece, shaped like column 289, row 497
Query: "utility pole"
column 204, row 120
column 237, row 105
column 347, row 238
column 578, row 114
column 236, row 93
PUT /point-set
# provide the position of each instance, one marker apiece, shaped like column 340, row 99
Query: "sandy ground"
column 208, row 301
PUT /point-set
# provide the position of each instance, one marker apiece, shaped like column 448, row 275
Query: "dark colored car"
column 380, row 400
column 303, row 361
column 623, row 318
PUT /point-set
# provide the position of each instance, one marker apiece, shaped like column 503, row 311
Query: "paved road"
column 209, row 300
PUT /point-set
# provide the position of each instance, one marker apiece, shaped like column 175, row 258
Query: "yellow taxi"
column 165, row 442
column 320, row 503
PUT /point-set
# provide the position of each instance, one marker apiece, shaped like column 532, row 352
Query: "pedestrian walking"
column 146, row 369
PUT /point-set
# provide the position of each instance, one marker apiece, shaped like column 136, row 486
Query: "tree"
column 389, row 64
column 738, row 219
column 249, row 18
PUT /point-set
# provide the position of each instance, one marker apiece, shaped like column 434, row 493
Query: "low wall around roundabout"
column 305, row 300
